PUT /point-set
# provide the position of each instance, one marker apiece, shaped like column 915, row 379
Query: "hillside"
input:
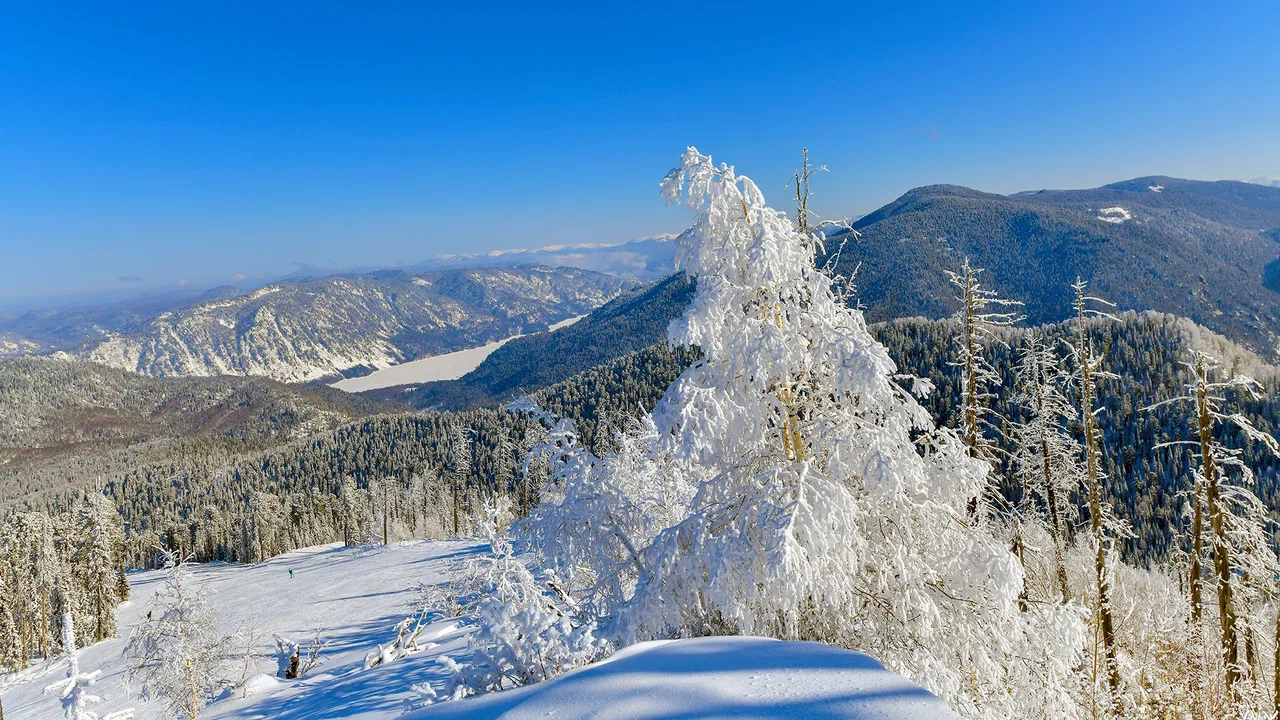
column 1195, row 249
column 62, row 413
column 355, row 596
column 324, row 328
column 633, row 321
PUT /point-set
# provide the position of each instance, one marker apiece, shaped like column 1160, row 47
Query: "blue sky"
column 143, row 145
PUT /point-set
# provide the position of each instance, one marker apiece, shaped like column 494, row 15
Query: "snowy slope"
column 710, row 678
column 357, row 595
column 448, row 366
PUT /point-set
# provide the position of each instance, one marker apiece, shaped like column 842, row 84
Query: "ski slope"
column 357, row 595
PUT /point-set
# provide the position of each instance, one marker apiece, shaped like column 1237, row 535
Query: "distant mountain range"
column 1268, row 181
column 73, row 327
column 1203, row 250
column 644, row 259
column 325, row 328
column 1209, row 251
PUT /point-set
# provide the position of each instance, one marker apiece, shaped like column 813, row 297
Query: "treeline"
column 217, row 504
column 385, row 477
column 52, row 564
column 1146, row 353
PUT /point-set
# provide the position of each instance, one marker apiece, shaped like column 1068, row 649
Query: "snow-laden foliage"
column 1047, row 458
column 176, row 651
column 74, row 690
column 526, row 630
column 788, row 486
column 980, row 318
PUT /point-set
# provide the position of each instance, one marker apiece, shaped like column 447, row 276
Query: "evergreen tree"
column 100, row 534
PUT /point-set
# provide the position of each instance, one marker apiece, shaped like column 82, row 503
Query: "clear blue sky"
column 175, row 141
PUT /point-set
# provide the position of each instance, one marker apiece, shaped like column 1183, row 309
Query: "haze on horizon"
column 145, row 147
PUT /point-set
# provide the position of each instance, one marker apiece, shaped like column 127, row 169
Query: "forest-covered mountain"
column 316, row 329
column 634, row 320
column 66, row 422
column 1197, row 249
column 167, row 493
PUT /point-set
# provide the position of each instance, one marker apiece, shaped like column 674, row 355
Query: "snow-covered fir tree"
column 101, row 537
column 176, row 652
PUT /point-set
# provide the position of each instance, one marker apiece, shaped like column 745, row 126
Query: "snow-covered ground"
column 357, row 596
column 1115, row 215
column 449, row 366
column 712, row 678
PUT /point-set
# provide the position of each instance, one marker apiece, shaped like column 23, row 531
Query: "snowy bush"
column 295, row 661
column 526, row 630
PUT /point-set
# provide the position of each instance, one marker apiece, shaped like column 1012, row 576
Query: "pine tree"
column 265, row 511
column 460, row 446
column 46, row 570
column 101, row 536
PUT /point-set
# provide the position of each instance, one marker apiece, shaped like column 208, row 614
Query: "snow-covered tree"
column 1103, row 526
column 46, row 571
column 1244, row 559
column 460, row 445
column 982, row 313
column 527, row 630
column 177, row 652
column 265, row 512
column 101, row 535
column 74, row 690
column 805, row 493
column 1046, row 456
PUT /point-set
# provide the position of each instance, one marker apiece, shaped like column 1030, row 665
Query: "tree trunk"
column 454, row 490
column 1275, row 668
column 1217, row 523
column 1095, row 521
column 1055, row 515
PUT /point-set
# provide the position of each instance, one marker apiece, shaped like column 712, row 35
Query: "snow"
column 449, row 366
column 1115, row 215
column 712, row 677
column 358, row 595
column 1156, row 188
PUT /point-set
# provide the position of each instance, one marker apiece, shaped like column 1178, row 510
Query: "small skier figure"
column 290, row 573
